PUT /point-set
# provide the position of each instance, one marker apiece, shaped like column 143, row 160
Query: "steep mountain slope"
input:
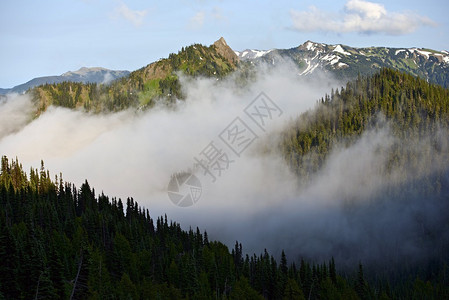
column 144, row 86
column 413, row 108
column 84, row 75
column 347, row 62
column 57, row 240
column 386, row 136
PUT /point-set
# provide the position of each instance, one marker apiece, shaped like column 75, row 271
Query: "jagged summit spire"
column 221, row 41
column 226, row 51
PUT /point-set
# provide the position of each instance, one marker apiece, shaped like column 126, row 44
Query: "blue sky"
column 50, row 37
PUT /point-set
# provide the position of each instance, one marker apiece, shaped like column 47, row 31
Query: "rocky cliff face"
column 224, row 50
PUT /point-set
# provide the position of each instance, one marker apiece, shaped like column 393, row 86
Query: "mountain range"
column 84, row 75
column 160, row 79
column 141, row 88
column 368, row 183
column 347, row 62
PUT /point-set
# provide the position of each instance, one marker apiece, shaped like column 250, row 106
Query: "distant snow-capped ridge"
column 251, row 54
column 349, row 61
column 442, row 56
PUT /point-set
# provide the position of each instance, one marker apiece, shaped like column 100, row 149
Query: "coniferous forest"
column 59, row 241
column 412, row 107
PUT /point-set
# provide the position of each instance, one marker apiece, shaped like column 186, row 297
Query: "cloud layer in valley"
column 16, row 112
column 346, row 209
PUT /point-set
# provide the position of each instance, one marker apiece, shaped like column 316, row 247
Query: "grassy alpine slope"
column 144, row 86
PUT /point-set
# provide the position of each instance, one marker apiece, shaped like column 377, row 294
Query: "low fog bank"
column 350, row 209
column 356, row 208
column 15, row 112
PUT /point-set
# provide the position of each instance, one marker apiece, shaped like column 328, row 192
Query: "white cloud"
column 135, row 153
column 350, row 204
column 368, row 9
column 136, row 17
column 215, row 14
column 359, row 16
column 197, row 20
column 15, row 112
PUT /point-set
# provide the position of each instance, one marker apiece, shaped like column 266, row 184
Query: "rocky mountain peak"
column 224, row 50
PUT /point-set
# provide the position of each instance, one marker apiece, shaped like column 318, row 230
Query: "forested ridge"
column 142, row 87
column 410, row 106
column 401, row 122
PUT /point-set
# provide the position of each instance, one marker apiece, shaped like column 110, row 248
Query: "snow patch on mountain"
column 334, row 61
column 332, row 58
column 310, row 68
column 425, row 53
column 251, row 54
column 340, row 49
column 310, row 46
column 261, row 53
column 313, row 56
